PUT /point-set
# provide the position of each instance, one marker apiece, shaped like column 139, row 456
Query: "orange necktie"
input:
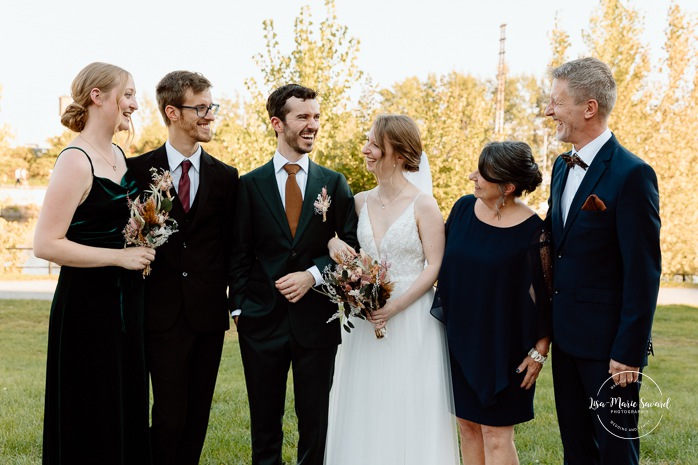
column 294, row 199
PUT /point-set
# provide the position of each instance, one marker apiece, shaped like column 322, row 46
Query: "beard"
column 297, row 143
column 196, row 132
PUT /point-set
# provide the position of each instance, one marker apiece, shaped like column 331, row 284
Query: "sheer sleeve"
column 541, row 261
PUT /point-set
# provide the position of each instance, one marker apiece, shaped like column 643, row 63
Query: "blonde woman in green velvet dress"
column 96, row 407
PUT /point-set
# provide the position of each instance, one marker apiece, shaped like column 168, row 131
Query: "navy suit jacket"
column 265, row 251
column 190, row 271
column 607, row 264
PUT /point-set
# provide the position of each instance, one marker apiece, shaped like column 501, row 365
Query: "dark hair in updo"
column 403, row 134
column 102, row 76
column 510, row 162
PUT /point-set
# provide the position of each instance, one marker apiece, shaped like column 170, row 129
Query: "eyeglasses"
column 202, row 110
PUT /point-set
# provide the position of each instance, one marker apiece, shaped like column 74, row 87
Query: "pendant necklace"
column 380, row 199
column 113, row 165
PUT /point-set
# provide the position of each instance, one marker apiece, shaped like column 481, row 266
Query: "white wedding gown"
column 391, row 400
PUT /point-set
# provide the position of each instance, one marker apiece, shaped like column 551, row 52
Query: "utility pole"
column 501, row 84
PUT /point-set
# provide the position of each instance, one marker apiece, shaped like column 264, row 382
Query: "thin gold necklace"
column 380, row 199
column 113, row 165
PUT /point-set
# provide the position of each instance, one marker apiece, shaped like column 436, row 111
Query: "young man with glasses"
column 186, row 294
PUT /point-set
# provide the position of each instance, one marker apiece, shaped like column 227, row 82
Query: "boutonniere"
column 322, row 204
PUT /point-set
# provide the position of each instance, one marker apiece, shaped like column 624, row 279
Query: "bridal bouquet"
column 150, row 224
column 360, row 285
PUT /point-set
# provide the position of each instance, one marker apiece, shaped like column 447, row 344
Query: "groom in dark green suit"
column 280, row 251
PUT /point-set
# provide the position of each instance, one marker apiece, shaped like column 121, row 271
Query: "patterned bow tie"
column 574, row 159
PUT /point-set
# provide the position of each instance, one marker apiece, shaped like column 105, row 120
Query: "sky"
column 45, row 43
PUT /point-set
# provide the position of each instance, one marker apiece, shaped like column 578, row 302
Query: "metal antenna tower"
column 501, row 83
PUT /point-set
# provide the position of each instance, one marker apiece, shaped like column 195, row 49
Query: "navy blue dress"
column 491, row 320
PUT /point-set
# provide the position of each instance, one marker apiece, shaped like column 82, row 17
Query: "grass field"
column 23, row 329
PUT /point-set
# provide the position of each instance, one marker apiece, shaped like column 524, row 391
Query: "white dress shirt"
column 175, row 159
column 282, row 175
column 302, row 180
column 576, row 175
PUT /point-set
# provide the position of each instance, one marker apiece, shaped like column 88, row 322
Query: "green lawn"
column 23, row 326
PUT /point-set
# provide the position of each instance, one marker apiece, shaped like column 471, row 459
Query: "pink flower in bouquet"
column 360, row 285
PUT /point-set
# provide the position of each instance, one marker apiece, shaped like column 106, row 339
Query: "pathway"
column 43, row 290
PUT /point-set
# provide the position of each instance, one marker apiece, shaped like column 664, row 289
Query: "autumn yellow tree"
column 613, row 37
column 151, row 133
column 455, row 113
column 655, row 116
column 673, row 127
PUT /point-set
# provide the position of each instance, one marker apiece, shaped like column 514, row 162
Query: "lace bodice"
column 400, row 246
column 410, row 363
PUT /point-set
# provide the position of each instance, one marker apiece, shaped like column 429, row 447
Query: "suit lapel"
column 160, row 159
column 558, row 185
column 591, row 179
column 313, row 186
column 269, row 192
column 159, row 162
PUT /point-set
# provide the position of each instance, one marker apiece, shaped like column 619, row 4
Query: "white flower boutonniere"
column 322, row 204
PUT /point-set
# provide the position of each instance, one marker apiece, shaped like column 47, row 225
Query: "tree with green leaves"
column 324, row 57
column 455, row 114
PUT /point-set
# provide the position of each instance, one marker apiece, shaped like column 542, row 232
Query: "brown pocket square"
column 593, row 203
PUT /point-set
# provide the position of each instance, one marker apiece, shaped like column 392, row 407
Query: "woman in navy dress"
column 495, row 301
column 96, row 407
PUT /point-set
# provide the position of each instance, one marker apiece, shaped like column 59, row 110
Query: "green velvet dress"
column 96, row 384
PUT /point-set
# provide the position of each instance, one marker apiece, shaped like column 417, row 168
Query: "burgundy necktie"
column 574, row 159
column 294, row 198
column 183, row 191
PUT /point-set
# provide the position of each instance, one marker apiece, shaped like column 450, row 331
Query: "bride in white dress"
column 391, row 400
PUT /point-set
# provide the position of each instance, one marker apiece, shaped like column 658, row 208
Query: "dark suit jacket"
column 607, row 264
column 190, row 271
column 265, row 252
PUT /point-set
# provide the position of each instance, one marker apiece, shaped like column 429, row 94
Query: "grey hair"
column 589, row 78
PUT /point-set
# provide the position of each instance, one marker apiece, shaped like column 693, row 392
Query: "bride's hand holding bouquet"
column 360, row 284
column 379, row 318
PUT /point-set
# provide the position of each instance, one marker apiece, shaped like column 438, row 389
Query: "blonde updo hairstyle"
column 102, row 76
column 403, row 135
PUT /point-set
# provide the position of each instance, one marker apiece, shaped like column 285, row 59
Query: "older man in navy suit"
column 604, row 213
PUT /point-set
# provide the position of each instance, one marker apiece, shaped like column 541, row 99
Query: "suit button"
column 557, row 291
column 559, row 255
column 293, row 253
column 184, row 274
column 184, row 244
